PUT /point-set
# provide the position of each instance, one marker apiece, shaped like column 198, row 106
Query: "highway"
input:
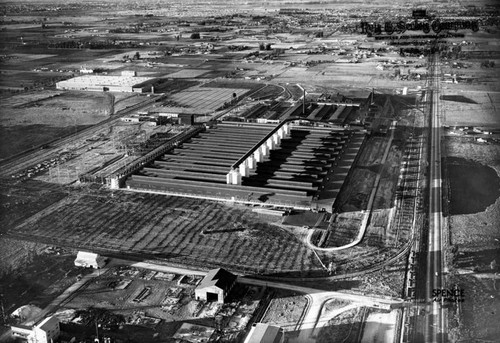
column 435, row 320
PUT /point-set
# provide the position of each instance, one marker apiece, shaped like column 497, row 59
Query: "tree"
column 137, row 56
column 195, row 35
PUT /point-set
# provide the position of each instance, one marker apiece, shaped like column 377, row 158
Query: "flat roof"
column 47, row 323
column 106, row 80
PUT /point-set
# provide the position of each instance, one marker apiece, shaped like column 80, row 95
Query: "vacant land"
column 285, row 310
column 170, row 229
column 345, row 327
column 30, row 120
column 467, row 107
column 475, row 238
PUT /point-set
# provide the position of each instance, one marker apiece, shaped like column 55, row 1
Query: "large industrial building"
column 282, row 165
column 100, row 83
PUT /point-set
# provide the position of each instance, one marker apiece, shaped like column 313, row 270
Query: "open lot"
column 169, row 229
column 474, row 241
column 30, row 120
column 470, row 107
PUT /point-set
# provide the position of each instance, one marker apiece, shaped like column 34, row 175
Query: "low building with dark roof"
column 215, row 286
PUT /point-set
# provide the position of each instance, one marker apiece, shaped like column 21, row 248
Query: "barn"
column 215, row 286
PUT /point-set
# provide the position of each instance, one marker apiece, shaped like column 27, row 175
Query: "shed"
column 215, row 286
column 89, row 259
column 265, row 333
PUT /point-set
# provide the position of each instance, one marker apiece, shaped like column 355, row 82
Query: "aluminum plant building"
column 100, row 83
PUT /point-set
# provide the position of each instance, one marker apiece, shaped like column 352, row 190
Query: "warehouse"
column 215, row 286
column 103, row 83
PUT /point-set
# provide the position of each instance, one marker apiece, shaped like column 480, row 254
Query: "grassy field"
column 170, row 229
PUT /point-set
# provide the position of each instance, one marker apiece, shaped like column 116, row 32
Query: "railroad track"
column 45, row 151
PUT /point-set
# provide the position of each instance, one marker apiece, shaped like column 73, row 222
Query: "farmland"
column 169, row 229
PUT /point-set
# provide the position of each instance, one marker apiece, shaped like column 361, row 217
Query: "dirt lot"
column 468, row 107
column 285, row 310
column 30, row 120
column 345, row 327
column 170, row 229
column 19, row 202
column 33, row 273
column 475, row 237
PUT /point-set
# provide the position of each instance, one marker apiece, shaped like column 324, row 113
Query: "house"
column 88, row 259
column 265, row 333
column 215, row 286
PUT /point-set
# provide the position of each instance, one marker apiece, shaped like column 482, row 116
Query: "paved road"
column 435, row 323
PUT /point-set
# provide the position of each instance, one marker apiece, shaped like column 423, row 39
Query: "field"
column 20, row 202
column 462, row 107
column 474, row 236
column 169, row 229
column 29, row 120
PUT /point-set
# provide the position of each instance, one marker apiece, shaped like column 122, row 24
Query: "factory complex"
column 285, row 165
column 111, row 83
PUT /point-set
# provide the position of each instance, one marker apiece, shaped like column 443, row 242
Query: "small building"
column 129, row 73
column 265, row 333
column 89, row 259
column 215, row 286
